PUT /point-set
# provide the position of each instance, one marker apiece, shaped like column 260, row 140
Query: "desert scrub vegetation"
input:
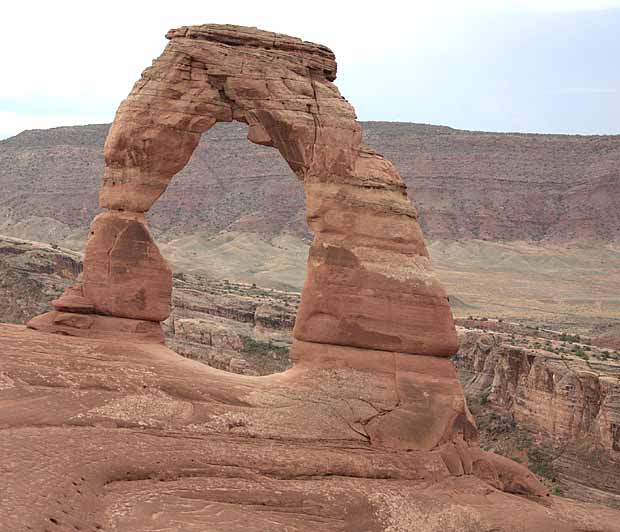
column 540, row 458
column 261, row 348
column 266, row 357
column 180, row 276
column 495, row 424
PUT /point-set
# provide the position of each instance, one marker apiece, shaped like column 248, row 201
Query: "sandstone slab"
column 109, row 435
column 97, row 326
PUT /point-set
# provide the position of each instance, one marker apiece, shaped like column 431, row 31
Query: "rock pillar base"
column 99, row 327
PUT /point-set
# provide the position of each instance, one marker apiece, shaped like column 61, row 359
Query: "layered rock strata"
column 235, row 327
column 32, row 273
column 567, row 403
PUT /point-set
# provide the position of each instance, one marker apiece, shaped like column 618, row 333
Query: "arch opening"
column 262, row 179
column 234, row 194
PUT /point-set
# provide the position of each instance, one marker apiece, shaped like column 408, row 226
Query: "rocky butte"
column 104, row 428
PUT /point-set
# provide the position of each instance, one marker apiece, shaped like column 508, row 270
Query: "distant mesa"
column 546, row 189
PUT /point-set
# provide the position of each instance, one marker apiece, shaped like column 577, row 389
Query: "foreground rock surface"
column 98, row 435
column 248, row 330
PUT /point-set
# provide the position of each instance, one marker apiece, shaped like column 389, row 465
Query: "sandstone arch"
column 370, row 283
column 374, row 326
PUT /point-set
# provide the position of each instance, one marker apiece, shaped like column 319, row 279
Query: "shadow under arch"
column 369, row 284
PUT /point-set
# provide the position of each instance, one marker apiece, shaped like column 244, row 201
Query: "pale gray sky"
column 503, row 65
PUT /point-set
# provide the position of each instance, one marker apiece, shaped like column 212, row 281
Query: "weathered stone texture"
column 118, row 436
column 570, row 403
column 125, row 275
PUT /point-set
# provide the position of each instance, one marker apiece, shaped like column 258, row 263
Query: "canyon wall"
column 31, row 274
column 558, row 410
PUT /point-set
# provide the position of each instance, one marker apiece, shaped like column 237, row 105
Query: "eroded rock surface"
column 31, row 274
column 120, row 436
column 131, row 436
column 124, row 272
column 232, row 326
column 558, row 411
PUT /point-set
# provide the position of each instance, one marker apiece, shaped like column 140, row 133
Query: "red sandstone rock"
column 117, row 436
column 570, row 405
column 96, row 326
column 73, row 300
column 370, row 282
column 372, row 331
column 427, row 408
column 124, row 272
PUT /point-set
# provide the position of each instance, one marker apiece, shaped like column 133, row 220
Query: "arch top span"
column 280, row 86
column 316, row 57
column 370, row 283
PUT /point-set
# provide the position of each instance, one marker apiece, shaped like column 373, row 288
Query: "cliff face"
column 562, row 407
column 466, row 184
column 235, row 327
column 496, row 186
column 30, row 275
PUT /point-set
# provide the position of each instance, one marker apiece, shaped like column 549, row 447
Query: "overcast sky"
column 548, row 66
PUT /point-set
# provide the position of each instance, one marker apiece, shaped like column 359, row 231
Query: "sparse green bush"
column 557, row 491
column 540, row 459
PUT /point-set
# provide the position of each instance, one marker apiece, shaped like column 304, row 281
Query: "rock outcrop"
column 369, row 284
column 230, row 326
column 31, row 274
column 566, row 403
column 119, row 436
column 370, row 288
column 248, row 330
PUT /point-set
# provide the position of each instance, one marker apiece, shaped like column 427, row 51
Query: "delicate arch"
column 369, row 284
